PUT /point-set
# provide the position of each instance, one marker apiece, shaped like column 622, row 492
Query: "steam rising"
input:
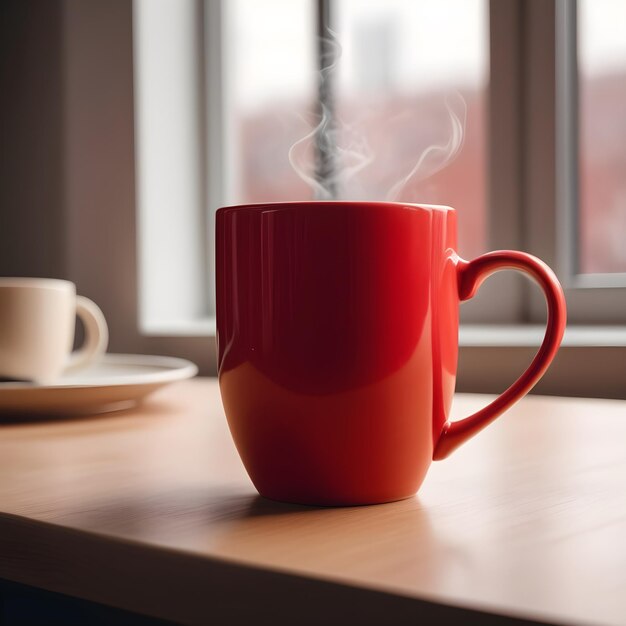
column 330, row 156
column 341, row 151
column 437, row 157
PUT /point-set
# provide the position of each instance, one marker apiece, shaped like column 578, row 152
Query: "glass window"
column 270, row 73
column 407, row 86
column 602, row 149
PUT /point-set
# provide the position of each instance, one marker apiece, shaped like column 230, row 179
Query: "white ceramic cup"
column 37, row 320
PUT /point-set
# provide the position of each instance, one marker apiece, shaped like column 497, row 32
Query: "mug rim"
column 344, row 204
column 30, row 282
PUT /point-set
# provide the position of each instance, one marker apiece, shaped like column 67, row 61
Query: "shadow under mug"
column 37, row 321
column 337, row 329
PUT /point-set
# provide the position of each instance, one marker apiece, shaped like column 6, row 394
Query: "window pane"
column 412, row 84
column 408, row 106
column 602, row 110
column 270, row 73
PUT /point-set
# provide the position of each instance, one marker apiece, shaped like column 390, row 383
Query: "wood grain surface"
column 151, row 511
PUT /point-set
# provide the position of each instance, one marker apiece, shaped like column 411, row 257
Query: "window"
column 537, row 87
column 401, row 113
column 402, row 104
column 602, row 137
column 408, row 119
column 271, row 95
column 590, row 159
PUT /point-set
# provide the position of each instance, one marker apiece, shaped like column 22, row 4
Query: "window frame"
column 552, row 187
column 519, row 109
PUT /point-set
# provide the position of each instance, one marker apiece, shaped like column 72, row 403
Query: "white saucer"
column 117, row 381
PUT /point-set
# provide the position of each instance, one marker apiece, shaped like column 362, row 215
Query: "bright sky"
column 272, row 44
column 602, row 35
column 429, row 43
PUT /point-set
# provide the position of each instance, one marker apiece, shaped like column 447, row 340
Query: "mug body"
column 37, row 317
column 337, row 328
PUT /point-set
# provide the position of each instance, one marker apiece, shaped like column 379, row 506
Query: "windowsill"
column 531, row 335
column 470, row 335
column 201, row 327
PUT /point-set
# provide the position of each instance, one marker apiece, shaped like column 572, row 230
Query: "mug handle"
column 470, row 276
column 96, row 334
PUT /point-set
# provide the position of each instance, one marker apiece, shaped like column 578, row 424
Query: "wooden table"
column 151, row 511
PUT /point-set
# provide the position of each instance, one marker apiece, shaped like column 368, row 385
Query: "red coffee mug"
column 337, row 329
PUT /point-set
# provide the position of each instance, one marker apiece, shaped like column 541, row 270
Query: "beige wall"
column 31, row 139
